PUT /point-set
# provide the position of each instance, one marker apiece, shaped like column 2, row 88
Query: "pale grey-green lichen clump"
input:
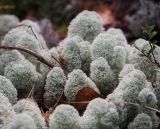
column 157, row 88
column 121, row 108
column 6, row 112
column 77, row 54
column 22, row 74
column 34, row 29
column 62, row 44
column 87, row 25
column 119, row 36
column 103, row 114
column 126, row 70
column 88, row 122
column 53, row 57
column 26, row 36
column 7, row 57
column 141, row 121
column 119, row 59
column 54, row 86
column 116, row 70
column 30, row 107
column 127, row 92
column 85, row 54
column 22, row 121
column 104, row 45
column 102, row 75
column 7, row 22
column 141, row 62
column 17, row 37
column 77, row 80
column 147, row 97
column 130, row 86
column 8, row 89
column 64, row 117
column 71, row 54
column 120, row 39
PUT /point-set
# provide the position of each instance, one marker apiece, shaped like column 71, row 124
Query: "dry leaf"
column 84, row 96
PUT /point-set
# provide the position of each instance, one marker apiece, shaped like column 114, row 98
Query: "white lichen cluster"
column 54, row 86
column 76, row 54
column 102, row 75
column 77, row 80
column 8, row 57
column 85, row 54
column 26, row 35
column 105, row 72
column 126, row 93
column 126, row 70
column 22, row 74
column 119, row 36
column 7, row 22
column 108, row 41
column 87, row 57
column 130, row 86
column 8, row 89
column 141, row 62
column 71, row 54
column 30, row 107
column 141, row 121
column 53, row 57
column 6, row 112
column 157, row 88
column 100, row 115
column 87, row 25
column 22, row 121
column 20, row 35
column 147, row 97
column 64, row 117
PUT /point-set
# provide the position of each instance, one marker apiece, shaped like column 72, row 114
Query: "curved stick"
column 39, row 57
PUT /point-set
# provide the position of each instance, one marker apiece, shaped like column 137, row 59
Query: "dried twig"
column 150, row 33
column 39, row 57
column 130, row 103
column 64, row 68
column 2, row 35
column 57, row 102
column 153, row 61
column 30, row 95
column 147, row 107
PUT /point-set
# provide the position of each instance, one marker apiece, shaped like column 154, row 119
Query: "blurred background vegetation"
column 59, row 11
column 129, row 15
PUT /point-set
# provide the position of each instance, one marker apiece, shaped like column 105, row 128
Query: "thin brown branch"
column 64, row 68
column 60, row 98
column 2, row 35
column 147, row 107
column 130, row 103
column 154, row 58
column 153, row 61
column 30, row 95
column 57, row 102
column 39, row 57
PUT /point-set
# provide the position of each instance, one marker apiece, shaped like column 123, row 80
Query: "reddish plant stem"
column 39, row 57
column 129, row 103
column 153, row 61
column 57, row 102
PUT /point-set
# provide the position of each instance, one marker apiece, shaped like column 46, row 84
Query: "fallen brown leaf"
column 83, row 97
